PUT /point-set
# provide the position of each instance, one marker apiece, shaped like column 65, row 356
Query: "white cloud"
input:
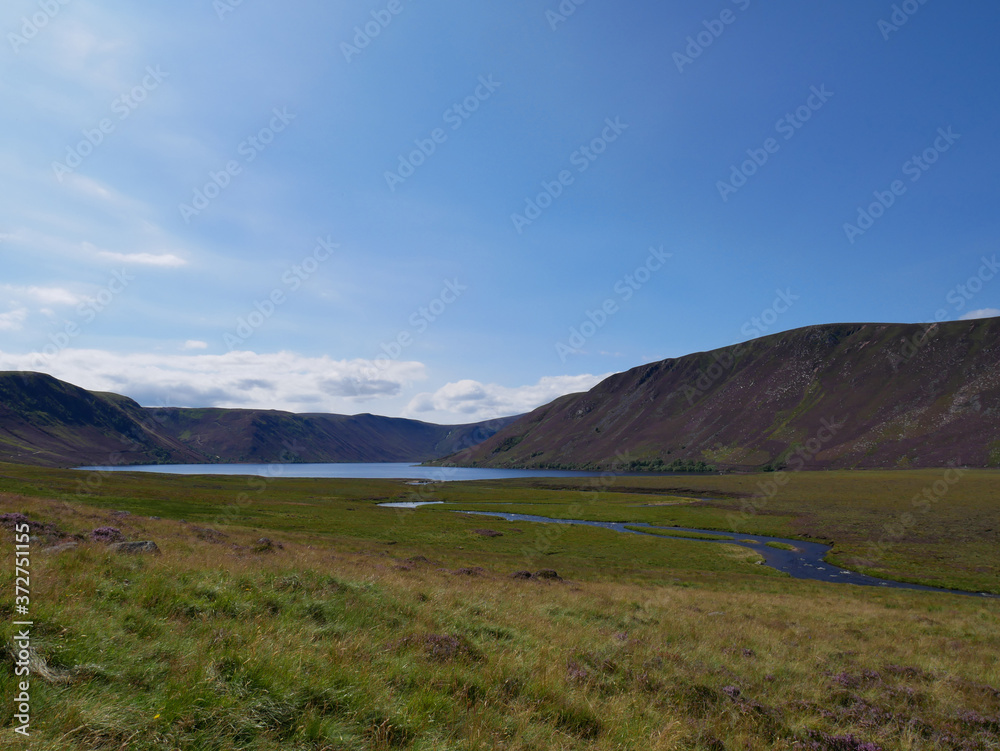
column 14, row 320
column 983, row 313
column 90, row 188
column 195, row 344
column 283, row 380
column 473, row 401
column 44, row 295
column 147, row 259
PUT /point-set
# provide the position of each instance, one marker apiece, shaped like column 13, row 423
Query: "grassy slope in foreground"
column 338, row 641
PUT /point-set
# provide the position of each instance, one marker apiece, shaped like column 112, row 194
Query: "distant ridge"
column 831, row 396
column 48, row 422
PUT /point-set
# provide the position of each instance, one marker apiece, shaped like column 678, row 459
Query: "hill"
column 48, row 422
column 832, row 396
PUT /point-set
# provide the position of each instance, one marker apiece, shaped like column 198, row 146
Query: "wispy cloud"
column 145, row 259
column 43, row 295
column 13, row 320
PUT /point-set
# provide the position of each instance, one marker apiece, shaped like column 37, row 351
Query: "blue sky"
column 478, row 209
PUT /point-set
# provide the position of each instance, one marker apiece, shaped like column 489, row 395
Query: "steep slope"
column 848, row 395
column 237, row 435
column 48, row 422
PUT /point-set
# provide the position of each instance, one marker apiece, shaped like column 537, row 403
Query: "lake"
column 361, row 471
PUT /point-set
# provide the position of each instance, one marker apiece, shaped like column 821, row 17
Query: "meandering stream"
column 806, row 561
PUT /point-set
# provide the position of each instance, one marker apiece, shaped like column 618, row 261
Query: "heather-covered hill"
column 53, row 423
column 241, row 435
column 48, row 422
column 832, row 396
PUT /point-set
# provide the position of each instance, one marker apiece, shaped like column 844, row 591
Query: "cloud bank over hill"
column 291, row 382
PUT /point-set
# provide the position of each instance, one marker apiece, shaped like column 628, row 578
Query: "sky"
column 453, row 212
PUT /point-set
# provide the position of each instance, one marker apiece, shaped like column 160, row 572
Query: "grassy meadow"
column 297, row 614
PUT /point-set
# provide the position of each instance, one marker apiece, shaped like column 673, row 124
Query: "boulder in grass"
column 521, row 575
column 267, row 545
column 146, row 547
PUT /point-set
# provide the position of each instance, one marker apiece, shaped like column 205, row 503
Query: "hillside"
column 240, row 435
column 833, row 396
column 48, row 422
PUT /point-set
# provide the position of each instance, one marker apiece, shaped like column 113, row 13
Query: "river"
column 806, row 561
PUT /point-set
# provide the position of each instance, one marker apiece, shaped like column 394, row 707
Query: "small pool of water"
column 409, row 504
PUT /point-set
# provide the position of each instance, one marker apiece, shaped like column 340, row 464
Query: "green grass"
column 373, row 628
column 677, row 533
column 780, row 545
